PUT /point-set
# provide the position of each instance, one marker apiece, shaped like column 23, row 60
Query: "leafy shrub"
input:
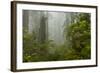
column 79, row 36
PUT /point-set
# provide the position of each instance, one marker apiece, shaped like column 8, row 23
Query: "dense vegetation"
column 77, row 43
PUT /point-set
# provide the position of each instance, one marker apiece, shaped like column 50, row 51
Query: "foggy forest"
column 56, row 36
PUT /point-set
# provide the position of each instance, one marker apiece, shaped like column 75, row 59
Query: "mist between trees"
column 56, row 36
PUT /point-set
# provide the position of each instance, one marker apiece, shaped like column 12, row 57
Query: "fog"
column 47, row 25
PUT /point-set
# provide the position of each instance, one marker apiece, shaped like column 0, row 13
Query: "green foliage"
column 79, row 36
